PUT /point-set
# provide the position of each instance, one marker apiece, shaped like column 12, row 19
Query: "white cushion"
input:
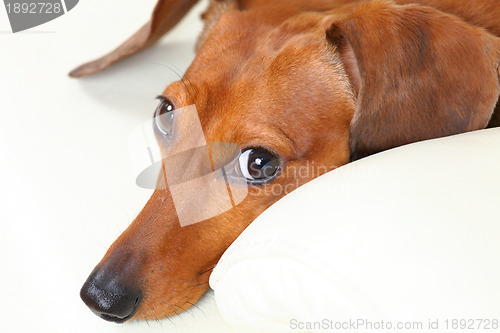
column 410, row 234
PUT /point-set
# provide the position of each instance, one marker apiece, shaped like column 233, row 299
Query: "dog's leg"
column 211, row 16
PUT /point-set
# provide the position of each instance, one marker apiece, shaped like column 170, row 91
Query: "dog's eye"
column 258, row 164
column 164, row 117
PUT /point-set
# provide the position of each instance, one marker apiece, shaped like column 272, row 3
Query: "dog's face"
column 272, row 108
column 287, row 90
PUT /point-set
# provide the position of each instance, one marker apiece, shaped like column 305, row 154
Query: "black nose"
column 110, row 298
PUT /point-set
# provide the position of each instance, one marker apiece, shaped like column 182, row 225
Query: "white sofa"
column 407, row 235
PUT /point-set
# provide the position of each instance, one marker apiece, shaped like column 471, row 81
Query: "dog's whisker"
column 191, row 84
column 173, row 309
column 194, row 305
column 198, row 285
column 187, row 281
column 170, row 319
column 208, row 270
column 167, row 66
column 175, row 72
column 184, row 310
column 183, row 79
column 181, row 75
column 193, row 282
column 158, row 321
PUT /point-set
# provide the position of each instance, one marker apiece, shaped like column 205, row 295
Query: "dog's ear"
column 166, row 14
column 416, row 74
column 215, row 10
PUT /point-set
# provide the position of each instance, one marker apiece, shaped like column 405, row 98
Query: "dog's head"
column 299, row 93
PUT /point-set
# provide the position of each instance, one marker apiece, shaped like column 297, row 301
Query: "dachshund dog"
column 293, row 83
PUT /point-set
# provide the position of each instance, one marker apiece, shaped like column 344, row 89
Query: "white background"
column 66, row 190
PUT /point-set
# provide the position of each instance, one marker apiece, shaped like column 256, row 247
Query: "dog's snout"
column 110, row 298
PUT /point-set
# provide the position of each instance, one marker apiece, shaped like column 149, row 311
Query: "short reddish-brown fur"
column 321, row 82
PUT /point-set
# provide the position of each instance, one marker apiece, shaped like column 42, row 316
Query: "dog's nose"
column 110, row 298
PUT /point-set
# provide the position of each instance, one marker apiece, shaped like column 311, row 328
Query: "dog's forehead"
column 240, row 36
column 251, row 77
column 244, row 52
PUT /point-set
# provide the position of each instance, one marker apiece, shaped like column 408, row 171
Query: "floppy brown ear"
column 417, row 74
column 166, row 14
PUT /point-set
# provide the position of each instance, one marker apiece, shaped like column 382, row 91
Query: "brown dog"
column 294, row 83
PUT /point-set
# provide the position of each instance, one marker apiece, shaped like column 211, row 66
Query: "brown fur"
column 320, row 83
